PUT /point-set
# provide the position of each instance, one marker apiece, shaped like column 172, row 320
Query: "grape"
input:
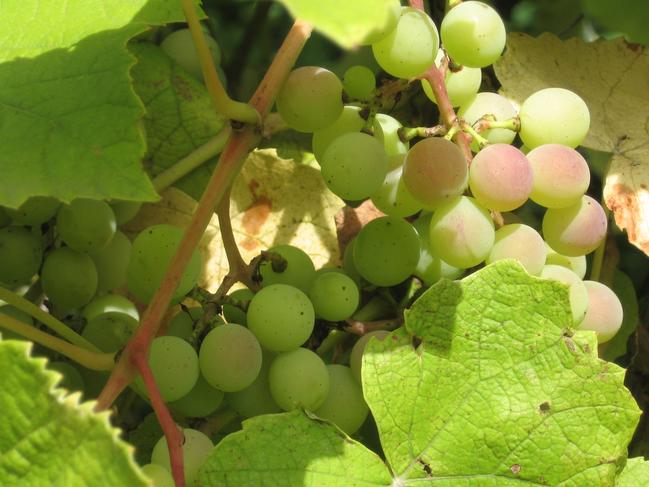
column 393, row 197
column 299, row 271
column 386, row 251
column 344, row 406
column 158, row 475
column 35, row 211
column 577, row 229
column 310, row 99
column 334, row 296
column 174, row 365
column 604, row 314
column 354, row 165
column 348, row 262
column 4, row 217
column 410, row 48
column 435, row 171
column 71, row 380
column 182, row 324
column 393, row 11
column 462, row 232
column 522, row 243
column 201, row 401
column 298, row 379
column 69, row 278
column 561, row 175
column 489, row 104
column 234, row 314
column 576, row 288
column 431, row 268
column 386, row 129
column 348, row 121
column 473, row 34
column 575, row 264
column 86, row 225
column 461, row 85
column 196, row 448
column 359, row 83
column 356, row 356
column 151, row 254
column 281, row 317
column 500, row 177
column 125, row 211
column 110, row 331
column 179, row 46
column 21, row 253
column 256, row 398
column 112, row 263
column 110, row 303
column 230, row 357
column 554, row 116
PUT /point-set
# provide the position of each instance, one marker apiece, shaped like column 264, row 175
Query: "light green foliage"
column 356, row 356
column 179, row 46
column 46, row 437
column 577, row 291
column 634, row 474
column 625, row 16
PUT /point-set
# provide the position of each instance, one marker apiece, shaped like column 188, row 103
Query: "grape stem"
column 417, row 4
column 409, row 133
column 481, row 141
column 490, row 122
column 361, row 328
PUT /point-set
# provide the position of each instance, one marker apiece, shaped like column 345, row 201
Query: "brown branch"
column 417, row 4
column 238, row 269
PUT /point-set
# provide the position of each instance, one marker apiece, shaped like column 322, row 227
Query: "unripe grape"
column 298, row 379
column 196, row 448
column 299, row 271
column 461, row 86
column 180, row 47
column 356, row 356
column 21, row 253
column 201, row 401
column 386, row 129
column 35, row 211
column 348, row 121
column 174, row 365
column 110, row 303
column 86, row 225
column 393, row 198
column 577, row 291
column 111, row 262
column 430, row 268
column 344, row 405
column 69, row 278
column 110, row 331
column 577, row 264
column 334, row 296
column 359, row 82
column 522, row 243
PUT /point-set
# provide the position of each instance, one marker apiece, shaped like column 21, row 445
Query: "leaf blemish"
column 544, row 407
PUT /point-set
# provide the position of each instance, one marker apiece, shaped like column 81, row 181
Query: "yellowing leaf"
column 613, row 79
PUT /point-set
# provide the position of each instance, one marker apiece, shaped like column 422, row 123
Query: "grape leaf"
column 347, row 23
column 623, row 287
column 635, row 473
column 69, row 112
column 628, row 17
column 47, row 437
column 613, row 79
column 179, row 118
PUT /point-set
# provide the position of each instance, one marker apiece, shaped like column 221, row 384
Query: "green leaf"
column 347, row 23
column 70, row 116
column 611, row 77
column 635, row 473
column 626, row 17
column 623, row 287
column 47, row 437
column 485, row 386
column 291, row 449
column 179, row 116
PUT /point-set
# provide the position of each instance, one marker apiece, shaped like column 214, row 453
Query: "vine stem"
column 409, row 133
column 237, row 266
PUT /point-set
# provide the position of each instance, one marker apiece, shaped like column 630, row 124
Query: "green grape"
column 604, row 313
column 21, row 253
column 386, row 129
column 201, row 401
column 359, row 83
column 71, row 380
column 310, row 99
column 575, row 264
column 354, row 165
column 4, row 217
column 151, row 254
column 281, row 317
column 393, row 197
column 462, row 232
column 522, row 243
column 334, row 296
column 111, row 262
column 158, row 475
column 577, row 290
column 554, row 116
column 461, row 86
column 110, row 303
column 182, row 323
column 348, row 262
column 392, row 11
column 431, row 268
column 16, row 314
column 196, row 448
column 356, row 356
column 500, row 177
column 93, row 382
column 86, row 225
column 144, row 437
column 35, row 211
column 435, row 171
column 299, row 271
column 349, row 120
column 345, row 405
column 110, row 331
column 473, row 34
column 577, row 229
column 386, row 251
column 235, row 314
column 230, row 357
column 68, row 278
column 256, row 398
column 410, row 48
column 179, row 46
column 298, row 379
column 561, row 175
column 125, row 211
column 489, row 104
column 174, row 365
